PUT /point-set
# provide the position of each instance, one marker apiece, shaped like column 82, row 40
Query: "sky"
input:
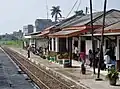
column 14, row 14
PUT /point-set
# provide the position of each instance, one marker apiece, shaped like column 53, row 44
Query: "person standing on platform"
column 28, row 49
column 97, row 56
column 90, row 57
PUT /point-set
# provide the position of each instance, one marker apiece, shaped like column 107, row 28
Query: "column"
column 67, row 43
column 57, row 44
column 49, row 44
column 72, row 44
column 104, row 46
column 117, row 54
column 98, row 44
column 52, row 44
column 117, row 49
column 30, row 41
column 79, row 44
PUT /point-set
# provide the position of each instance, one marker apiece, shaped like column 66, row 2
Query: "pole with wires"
column 47, row 9
column 78, row 5
column 102, row 42
column 92, row 32
column 72, row 8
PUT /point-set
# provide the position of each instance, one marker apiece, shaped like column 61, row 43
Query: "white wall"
column 88, row 45
column 42, row 42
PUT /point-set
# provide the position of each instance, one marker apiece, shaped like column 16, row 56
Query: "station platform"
column 74, row 73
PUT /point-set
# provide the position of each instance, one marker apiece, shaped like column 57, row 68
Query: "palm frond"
column 60, row 14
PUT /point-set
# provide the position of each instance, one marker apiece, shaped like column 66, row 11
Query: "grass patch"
column 14, row 43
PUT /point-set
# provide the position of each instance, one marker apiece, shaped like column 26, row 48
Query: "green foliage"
column 52, row 54
column 42, row 56
column 63, row 56
column 55, row 12
column 112, row 74
column 60, row 56
column 15, row 43
column 66, row 55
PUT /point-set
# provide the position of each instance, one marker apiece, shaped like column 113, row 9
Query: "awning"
column 27, row 37
column 43, row 33
column 107, row 34
column 65, row 33
column 72, row 31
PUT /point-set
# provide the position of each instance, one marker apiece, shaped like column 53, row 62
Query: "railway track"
column 41, row 77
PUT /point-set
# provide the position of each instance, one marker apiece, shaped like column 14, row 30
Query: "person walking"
column 90, row 57
column 97, row 56
column 28, row 49
column 76, row 53
column 107, row 60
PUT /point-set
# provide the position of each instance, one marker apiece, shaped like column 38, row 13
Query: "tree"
column 55, row 12
column 80, row 12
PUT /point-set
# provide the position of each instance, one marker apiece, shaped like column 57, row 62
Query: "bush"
column 65, row 55
column 112, row 74
column 60, row 56
column 42, row 56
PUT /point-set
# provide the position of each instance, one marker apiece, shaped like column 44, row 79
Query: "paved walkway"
column 74, row 73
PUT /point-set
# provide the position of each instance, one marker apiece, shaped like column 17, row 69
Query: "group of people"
column 34, row 50
column 79, row 56
column 109, row 57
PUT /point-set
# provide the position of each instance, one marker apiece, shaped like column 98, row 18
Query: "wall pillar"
column 79, row 44
column 49, row 44
column 117, row 49
column 52, row 44
column 98, row 44
column 104, row 46
column 30, row 41
column 118, row 54
column 72, row 44
column 57, row 44
column 67, row 43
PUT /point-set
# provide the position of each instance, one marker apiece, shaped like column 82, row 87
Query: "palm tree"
column 80, row 12
column 55, row 12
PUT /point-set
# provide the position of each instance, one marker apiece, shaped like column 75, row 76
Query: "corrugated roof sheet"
column 112, row 16
column 80, row 20
column 113, row 27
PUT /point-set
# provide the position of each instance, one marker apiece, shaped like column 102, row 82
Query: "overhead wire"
column 72, row 8
column 80, row 1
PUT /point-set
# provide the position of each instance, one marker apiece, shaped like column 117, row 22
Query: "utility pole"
column 102, row 41
column 92, row 31
column 47, row 9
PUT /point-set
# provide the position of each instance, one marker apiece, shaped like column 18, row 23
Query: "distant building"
column 41, row 24
column 8, row 37
column 28, row 29
column 18, row 34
